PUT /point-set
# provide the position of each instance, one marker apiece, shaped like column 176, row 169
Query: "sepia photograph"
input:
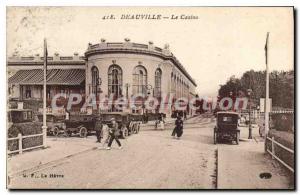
column 151, row 98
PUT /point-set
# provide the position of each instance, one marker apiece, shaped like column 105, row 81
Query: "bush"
column 283, row 121
column 28, row 128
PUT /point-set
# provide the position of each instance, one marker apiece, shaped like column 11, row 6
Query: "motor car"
column 20, row 115
column 55, row 123
column 82, row 124
column 226, row 127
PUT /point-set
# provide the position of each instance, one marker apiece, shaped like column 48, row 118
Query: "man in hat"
column 114, row 133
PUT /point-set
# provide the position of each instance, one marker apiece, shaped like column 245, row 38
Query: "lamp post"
column 250, row 125
column 231, row 96
column 267, row 109
column 98, row 84
column 127, row 85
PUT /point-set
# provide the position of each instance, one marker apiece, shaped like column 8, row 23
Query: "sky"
column 222, row 42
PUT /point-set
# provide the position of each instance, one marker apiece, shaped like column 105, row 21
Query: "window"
column 95, row 79
column 139, row 80
column 29, row 115
column 28, row 92
column 115, row 80
column 25, row 115
column 157, row 88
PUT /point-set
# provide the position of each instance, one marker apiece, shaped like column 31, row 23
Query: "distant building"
column 65, row 74
column 108, row 70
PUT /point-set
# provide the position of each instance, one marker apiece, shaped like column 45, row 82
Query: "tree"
column 281, row 87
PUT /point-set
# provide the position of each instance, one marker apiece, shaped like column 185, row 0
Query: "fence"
column 272, row 152
column 20, row 138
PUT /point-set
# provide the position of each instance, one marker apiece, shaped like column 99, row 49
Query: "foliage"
column 281, row 87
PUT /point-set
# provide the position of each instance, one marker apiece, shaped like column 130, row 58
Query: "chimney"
column 76, row 56
column 56, row 57
column 37, row 57
column 166, row 50
column 127, row 42
column 151, row 46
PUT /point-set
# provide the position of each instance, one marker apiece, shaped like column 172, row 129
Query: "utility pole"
column 250, row 124
column 44, row 127
column 267, row 91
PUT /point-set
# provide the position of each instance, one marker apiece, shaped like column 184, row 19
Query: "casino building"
column 107, row 69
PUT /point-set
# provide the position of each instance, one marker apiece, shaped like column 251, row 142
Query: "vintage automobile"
column 20, row 115
column 55, row 123
column 227, row 127
column 83, row 124
column 123, row 120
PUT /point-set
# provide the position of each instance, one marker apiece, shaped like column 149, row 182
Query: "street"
column 151, row 159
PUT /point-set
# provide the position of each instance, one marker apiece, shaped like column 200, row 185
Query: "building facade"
column 116, row 69
column 65, row 74
column 127, row 69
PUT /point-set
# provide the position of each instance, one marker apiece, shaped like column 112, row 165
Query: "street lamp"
column 231, row 96
column 127, row 85
column 249, row 91
column 98, row 84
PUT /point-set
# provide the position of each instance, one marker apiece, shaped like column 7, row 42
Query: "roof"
column 54, row 77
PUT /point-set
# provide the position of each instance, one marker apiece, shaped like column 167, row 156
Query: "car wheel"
column 237, row 138
column 83, row 132
column 55, row 131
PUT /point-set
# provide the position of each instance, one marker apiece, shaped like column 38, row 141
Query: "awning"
column 54, row 77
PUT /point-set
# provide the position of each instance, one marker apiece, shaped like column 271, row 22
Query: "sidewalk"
column 240, row 166
column 58, row 148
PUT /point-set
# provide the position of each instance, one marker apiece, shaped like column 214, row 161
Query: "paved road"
column 150, row 159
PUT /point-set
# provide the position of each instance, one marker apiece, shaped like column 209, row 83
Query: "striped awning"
column 54, row 77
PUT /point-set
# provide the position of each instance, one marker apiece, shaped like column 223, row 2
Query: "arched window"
column 157, row 87
column 172, row 83
column 115, row 80
column 95, row 79
column 139, row 80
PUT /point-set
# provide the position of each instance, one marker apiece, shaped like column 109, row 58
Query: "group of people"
column 114, row 132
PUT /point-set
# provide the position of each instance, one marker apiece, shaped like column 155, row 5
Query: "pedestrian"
column 160, row 123
column 178, row 130
column 99, row 131
column 185, row 117
column 114, row 133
